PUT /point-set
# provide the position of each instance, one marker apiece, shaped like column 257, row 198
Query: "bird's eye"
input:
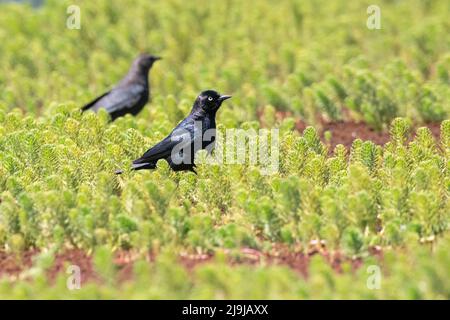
column 210, row 99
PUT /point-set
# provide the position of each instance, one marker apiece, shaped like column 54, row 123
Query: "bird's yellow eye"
column 210, row 99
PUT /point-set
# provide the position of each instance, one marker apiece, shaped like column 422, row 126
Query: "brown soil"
column 73, row 257
column 14, row 265
column 345, row 132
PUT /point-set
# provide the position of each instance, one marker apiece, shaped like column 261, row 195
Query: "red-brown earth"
column 345, row 132
column 14, row 265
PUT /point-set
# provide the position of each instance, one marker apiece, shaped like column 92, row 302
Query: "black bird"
column 180, row 146
column 131, row 94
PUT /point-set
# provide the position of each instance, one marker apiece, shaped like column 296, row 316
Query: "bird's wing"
column 120, row 98
column 159, row 151
column 93, row 102
column 163, row 149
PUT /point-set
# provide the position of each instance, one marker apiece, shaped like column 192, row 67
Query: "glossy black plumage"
column 189, row 132
column 131, row 94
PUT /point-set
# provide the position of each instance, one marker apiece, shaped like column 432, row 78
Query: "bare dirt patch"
column 345, row 132
column 73, row 257
column 13, row 265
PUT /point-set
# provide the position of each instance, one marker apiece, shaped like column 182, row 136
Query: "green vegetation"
column 309, row 57
column 414, row 274
column 312, row 58
column 58, row 187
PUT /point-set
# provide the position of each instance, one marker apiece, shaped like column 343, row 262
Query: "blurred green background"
column 313, row 58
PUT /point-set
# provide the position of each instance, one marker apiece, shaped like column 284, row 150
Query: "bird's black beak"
column 157, row 58
column 224, row 97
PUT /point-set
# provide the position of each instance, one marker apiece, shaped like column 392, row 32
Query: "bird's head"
column 210, row 100
column 145, row 61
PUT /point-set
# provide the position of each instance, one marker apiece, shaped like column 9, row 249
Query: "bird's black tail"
column 139, row 166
